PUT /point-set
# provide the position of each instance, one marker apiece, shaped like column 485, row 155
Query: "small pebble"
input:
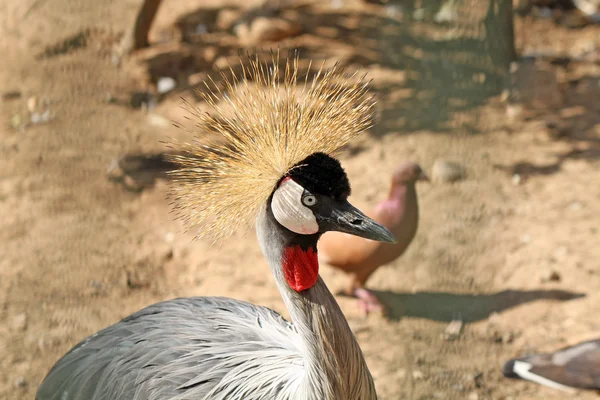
column 514, row 111
column 507, row 338
column 418, row 374
column 201, row 29
column 447, row 171
column 516, row 179
column 473, row 396
column 158, row 120
column 337, row 3
column 31, row 104
column 16, row 121
column 550, row 276
column 453, row 330
column 448, row 13
column 266, row 30
column 165, row 84
column 544, row 12
column 40, row 118
column 19, row 322
column 419, row 14
column 21, row 382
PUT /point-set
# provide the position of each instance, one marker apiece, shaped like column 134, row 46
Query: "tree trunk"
column 137, row 37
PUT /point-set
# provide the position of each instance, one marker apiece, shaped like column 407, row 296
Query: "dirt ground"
column 512, row 250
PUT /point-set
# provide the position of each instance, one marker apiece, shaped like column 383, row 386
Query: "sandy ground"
column 80, row 252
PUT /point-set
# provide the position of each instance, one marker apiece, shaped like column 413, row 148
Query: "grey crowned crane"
column 272, row 161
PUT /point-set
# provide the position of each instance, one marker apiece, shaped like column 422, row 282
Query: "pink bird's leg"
column 368, row 301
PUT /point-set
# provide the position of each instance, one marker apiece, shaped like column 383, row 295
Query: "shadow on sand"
column 446, row 307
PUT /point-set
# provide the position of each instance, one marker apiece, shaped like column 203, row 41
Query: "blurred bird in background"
column 359, row 258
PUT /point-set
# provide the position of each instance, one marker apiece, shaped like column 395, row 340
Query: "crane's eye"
column 309, row 200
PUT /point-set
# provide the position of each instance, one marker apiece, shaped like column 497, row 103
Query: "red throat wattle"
column 300, row 267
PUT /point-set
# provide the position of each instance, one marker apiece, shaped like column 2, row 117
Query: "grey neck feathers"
column 334, row 363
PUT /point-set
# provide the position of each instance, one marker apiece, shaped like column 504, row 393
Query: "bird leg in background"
column 368, row 301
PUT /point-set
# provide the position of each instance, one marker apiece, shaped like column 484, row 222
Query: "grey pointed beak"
column 344, row 217
column 423, row 177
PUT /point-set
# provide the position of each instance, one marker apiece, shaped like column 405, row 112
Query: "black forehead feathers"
column 322, row 174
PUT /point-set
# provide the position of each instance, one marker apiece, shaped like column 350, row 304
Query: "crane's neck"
column 334, row 363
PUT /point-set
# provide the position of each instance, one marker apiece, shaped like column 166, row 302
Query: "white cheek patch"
column 289, row 211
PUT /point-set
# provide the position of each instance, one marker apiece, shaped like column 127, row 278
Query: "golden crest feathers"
column 263, row 124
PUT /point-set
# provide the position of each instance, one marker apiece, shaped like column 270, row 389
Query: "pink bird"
column 359, row 257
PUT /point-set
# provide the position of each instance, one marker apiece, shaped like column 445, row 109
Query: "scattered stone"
column 419, row 14
column 447, row 171
column 20, row 382
column 473, row 396
column 201, row 29
column 516, row 179
column 336, row 4
column 453, row 330
column 514, row 111
column 550, row 276
column 264, row 29
column 507, row 338
column 457, row 387
column 40, row 117
column 416, row 374
column 543, row 12
column 19, row 322
column 32, row 104
column 169, row 237
column 209, row 54
column 561, row 252
column 448, row 13
column 114, row 171
column 226, row 19
column 132, row 185
column 394, row 11
column 16, row 121
column 165, row 84
column 158, row 120
column 575, row 206
column 47, row 341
